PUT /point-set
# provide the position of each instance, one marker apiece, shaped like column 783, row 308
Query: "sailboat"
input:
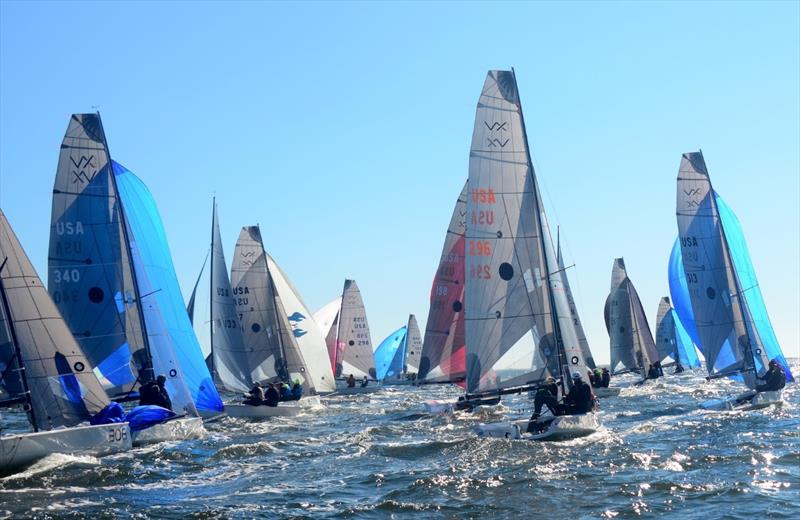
column 672, row 340
column 112, row 278
column 728, row 313
column 44, row 371
column 632, row 345
column 443, row 357
column 269, row 351
column 344, row 324
column 518, row 325
column 397, row 357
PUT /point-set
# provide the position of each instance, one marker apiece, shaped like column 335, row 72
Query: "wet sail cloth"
column 672, row 340
column 730, row 317
column 38, row 353
column 443, row 356
column 90, row 274
column 511, row 285
column 173, row 346
column 632, row 345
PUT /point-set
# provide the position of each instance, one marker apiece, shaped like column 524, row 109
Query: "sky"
column 343, row 129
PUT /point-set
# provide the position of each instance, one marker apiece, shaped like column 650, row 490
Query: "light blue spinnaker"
column 390, row 354
column 174, row 347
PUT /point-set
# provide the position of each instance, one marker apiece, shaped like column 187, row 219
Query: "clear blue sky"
column 344, row 130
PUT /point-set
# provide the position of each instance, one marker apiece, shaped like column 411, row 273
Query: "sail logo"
column 80, row 168
column 496, row 127
column 248, row 258
column 494, row 143
column 294, row 321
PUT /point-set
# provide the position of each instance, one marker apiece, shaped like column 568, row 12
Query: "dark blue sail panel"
column 750, row 289
column 679, row 293
column 389, row 355
column 173, row 345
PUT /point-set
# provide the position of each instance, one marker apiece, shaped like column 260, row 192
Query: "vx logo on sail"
column 497, row 126
column 81, row 166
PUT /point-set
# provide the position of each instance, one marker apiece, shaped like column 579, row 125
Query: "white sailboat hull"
column 749, row 400
column 20, row 450
column 563, row 427
column 284, row 409
column 606, row 392
column 174, row 430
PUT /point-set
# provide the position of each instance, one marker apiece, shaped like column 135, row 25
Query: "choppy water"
column 379, row 456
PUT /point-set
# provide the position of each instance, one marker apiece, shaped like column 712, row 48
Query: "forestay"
column 173, row 346
column 37, row 351
column 632, row 345
column 736, row 339
column 90, row 275
column 443, row 355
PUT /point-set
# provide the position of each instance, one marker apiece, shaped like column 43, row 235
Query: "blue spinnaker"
column 143, row 417
column 749, row 287
column 174, row 348
column 389, row 355
column 112, row 413
column 684, row 345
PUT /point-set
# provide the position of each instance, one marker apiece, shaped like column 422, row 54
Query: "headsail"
column 444, row 349
column 35, row 344
column 586, row 352
column 632, row 345
column 672, row 340
column 327, row 320
column 228, row 353
column 305, row 331
column 734, row 336
column 173, row 346
column 90, row 274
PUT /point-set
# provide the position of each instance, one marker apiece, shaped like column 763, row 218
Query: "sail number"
column 691, row 277
column 482, row 272
column 117, row 435
column 480, row 248
column 483, row 196
column 482, row 218
column 66, row 276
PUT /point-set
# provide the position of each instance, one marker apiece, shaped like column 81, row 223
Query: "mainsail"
column 41, row 364
column 730, row 317
column 632, row 345
column 672, row 340
column 512, row 283
column 412, row 347
column 353, row 341
column 90, row 273
column 443, row 355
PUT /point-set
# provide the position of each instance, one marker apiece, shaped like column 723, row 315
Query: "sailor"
column 678, row 367
column 774, row 378
column 606, row 378
column 598, row 378
column 594, row 382
column 297, row 390
column 272, row 396
column 580, row 398
column 546, row 395
column 155, row 393
column 256, row 395
column 652, row 372
column 285, row 391
column 657, row 366
column 351, row 381
column 364, row 382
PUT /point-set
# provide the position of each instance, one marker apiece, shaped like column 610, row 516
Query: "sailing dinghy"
column 112, row 278
column 267, row 348
column 518, row 324
column 43, row 370
column 344, row 324
column 726, row 310
column 631, row 342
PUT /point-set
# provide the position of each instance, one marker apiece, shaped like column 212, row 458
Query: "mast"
column 556, row 326
column 17, row 351
column 136, row 297
column 275, row 307
column 211, row 287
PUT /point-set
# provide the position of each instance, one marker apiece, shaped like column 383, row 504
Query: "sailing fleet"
column 76, row 356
